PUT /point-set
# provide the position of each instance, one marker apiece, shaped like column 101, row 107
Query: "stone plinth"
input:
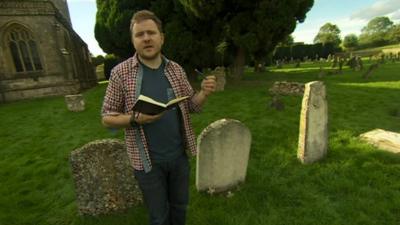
column 385, row 140
column 75, row 103
column 103, row 177
column 287, row 88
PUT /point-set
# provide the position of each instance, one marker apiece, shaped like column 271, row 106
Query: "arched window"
column 23, row 49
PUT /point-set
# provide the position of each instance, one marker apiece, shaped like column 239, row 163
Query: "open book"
column 150, row 106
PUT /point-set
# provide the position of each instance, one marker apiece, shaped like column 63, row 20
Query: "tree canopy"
column 328, row 33
column 376, row 32
column 204, row 34
column 250, row 28
column 350, row 41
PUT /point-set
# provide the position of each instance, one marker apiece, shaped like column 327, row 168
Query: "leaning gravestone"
column 75, row 103
column 385, row 140
column 223, row 154
column 103, row 177
column 313, row 135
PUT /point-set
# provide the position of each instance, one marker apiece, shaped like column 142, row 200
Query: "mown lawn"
column 355, row 184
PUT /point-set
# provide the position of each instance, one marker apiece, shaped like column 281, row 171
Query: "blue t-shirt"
column 164, row 135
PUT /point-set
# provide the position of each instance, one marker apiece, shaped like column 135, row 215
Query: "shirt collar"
column 135, row 60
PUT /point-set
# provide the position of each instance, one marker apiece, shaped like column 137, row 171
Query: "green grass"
column 355, row 184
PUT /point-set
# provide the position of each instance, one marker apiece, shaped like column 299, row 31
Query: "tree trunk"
column 259, row 66
column 238, row 64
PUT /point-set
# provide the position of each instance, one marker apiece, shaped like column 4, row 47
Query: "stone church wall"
column 63, row 54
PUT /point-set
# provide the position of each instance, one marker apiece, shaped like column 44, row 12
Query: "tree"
column 376, row 32
column 328, row 33
column 288, row 41
column 394, row 34
column 203, row 34
column 250, row 29
column 350, row 41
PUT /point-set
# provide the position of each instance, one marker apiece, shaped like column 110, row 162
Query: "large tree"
column 251, row 29
column 350, row 41
column 204, row 34
column 328, row 33
column 188, row 40
column 394, row 34
column 376, row 32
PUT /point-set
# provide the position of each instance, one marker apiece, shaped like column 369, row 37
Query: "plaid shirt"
column 120, row 98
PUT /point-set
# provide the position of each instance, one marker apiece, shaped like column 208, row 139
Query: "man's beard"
column 150, row 57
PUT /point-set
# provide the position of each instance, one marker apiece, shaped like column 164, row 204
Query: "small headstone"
column 335, row 61
column 371, row 68
column 103, row 177
column 313, row 134
column 223, row 154
column 75, row 103
column 278, row 64
column 385, row 140
column 277, row 103
column 219, row 73
column 321, row 73
column 297, row 65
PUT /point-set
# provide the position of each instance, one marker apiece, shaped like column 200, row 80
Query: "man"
column 156, row 144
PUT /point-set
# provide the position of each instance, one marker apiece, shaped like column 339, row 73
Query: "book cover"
column 150, row 106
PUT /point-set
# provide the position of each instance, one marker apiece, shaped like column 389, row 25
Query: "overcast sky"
column 349, row 15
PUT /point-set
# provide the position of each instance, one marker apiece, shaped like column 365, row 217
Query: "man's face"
column 147, row 39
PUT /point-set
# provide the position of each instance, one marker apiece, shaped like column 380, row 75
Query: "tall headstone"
column 223, row 154
column 75, row 103
column 313, row 134
column 103, row 177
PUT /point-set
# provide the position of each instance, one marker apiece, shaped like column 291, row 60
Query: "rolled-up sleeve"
column 113, row 103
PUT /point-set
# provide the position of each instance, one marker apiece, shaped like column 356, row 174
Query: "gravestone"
column 75, row 103
column 103, row 177
column 313, row 134
column 385, row 140
column 223, row 154
column 219, row 73
column 371, row 68
column 277, row 103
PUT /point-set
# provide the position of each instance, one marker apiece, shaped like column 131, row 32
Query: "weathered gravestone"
column 385, row 140
column 103, row 177
column 219, row 73
column 75, row 103
column 313, row 135
column 223, row 153
column 287, row 88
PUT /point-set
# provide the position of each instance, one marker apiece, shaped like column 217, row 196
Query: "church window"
column 24, row 51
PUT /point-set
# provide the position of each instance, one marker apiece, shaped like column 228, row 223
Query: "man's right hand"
column 145, row 118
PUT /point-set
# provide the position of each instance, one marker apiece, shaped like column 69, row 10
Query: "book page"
column 173, row 101
column 152, row 101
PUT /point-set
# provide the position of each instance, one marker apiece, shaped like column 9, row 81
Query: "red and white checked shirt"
column 120, row 98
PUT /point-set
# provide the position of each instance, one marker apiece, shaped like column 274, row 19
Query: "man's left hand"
column 208, row 85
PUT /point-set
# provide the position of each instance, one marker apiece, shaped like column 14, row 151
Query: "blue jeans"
column 166, row 191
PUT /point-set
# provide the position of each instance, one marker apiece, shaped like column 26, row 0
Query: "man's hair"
column 141, row 15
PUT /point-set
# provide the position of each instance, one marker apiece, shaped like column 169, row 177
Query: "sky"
column 349, row 15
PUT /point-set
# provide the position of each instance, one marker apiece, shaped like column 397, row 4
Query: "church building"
column 40, row 53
